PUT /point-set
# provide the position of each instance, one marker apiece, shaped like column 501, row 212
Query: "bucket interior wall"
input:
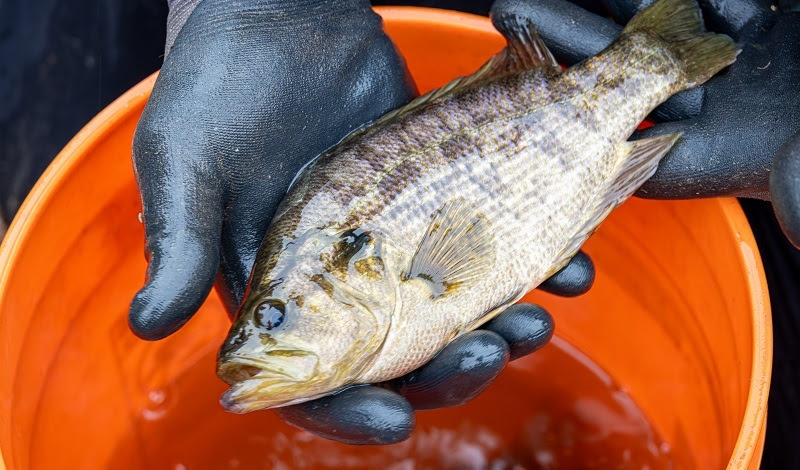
column 678, row 304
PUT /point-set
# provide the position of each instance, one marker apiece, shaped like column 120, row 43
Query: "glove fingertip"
column 526, row 328
column 146, row 321
column 179, row 281
column 572, row 280
column 362, row 415
column 154, row 315
column 785, row 190
column 458, row 374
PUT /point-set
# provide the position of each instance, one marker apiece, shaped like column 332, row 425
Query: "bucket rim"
column 751, row 435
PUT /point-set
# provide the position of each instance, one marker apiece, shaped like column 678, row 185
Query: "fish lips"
column 265, row 382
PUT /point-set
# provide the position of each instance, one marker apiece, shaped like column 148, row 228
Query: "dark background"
column 61, row 62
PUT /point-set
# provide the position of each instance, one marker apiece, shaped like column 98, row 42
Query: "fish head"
column 309, row 326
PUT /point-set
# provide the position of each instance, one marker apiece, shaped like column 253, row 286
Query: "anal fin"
column 641, row 158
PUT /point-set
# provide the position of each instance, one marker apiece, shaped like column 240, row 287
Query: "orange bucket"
column 676, row 332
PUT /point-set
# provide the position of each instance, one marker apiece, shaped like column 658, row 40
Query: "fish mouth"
column 268, row 382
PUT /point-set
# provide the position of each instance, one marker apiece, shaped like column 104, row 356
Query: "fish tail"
column 679, row 24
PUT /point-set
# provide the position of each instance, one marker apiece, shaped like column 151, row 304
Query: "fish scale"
column 455, row 206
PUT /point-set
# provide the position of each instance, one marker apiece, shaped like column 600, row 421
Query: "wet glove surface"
column 733, row 126
column 249, row 92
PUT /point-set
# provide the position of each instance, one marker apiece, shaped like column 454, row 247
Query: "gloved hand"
column 250, row 90
column 734, row 125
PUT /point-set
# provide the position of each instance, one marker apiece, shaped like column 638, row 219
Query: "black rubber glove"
column 250, row 90
column 733, row 126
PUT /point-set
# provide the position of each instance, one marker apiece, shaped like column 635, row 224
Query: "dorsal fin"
column 488, row 71
column 524, row 51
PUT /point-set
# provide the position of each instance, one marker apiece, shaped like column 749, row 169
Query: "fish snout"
column 275, row 378
column 232, row 372
column 273, row 365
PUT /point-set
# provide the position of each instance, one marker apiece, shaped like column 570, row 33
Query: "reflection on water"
column 552, row 410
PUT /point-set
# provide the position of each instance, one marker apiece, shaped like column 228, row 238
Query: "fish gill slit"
column 398, row 302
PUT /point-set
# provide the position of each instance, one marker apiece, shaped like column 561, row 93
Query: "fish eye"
column 270, row 314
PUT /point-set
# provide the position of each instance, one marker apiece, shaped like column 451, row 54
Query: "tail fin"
column 679, row 23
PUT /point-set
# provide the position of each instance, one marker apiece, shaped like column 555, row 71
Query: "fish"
column 430, row 221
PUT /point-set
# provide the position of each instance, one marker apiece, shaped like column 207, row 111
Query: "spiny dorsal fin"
column 456, row 251
column 488, row 71
column 640, row 161
column 524, row 51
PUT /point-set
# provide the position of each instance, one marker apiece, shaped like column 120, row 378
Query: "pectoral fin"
column 456, row 251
